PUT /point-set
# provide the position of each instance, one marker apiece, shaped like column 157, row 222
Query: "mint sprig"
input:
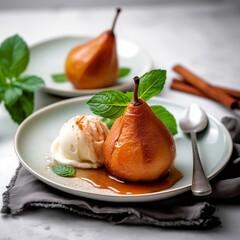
column 61, row 77
column 14, row 56
column 123, row 72
column 111, row 104
column 166, row 117
column 21, row 108
column 108, row 121
column 151, row 84
column 63, row 170
column 17, row 91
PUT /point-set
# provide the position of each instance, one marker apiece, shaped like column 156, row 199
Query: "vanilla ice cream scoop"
column 80, row 142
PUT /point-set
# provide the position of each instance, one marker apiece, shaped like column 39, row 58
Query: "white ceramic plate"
column 48, row 58
column 36, row 133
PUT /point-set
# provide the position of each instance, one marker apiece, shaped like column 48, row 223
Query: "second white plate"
column 48, row 58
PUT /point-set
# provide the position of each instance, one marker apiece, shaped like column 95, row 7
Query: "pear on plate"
column 94, row 64
column 139, row 147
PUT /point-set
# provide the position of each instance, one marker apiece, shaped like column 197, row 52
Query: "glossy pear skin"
column 139, row 147
column 93, row 64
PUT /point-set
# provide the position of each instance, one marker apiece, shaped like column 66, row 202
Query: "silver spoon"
column 194, row 120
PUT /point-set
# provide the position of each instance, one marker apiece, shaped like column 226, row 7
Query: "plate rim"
column 84, row 92
column 119, row 197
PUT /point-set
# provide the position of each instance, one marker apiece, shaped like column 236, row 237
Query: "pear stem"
column 135, row 93
column 118, row 10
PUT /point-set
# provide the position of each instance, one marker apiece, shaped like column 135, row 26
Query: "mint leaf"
column 29, row 83
column 59, row 77
column 123, row 72
column 22, row 108
column 11, row 95
column 3, row 80
column 109, row 104
column 2, row 86
column 151, row 84
column 108, row 121
column 63, row 170
column 166, row 117
column 129, row 95
column 2, row 93
column 14, row 56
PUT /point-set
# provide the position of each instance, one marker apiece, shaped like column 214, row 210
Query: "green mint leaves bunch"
column 17, row 90
column 111, row 104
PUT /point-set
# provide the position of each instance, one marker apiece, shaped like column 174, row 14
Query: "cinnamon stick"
column 231, row 92
column 206, row 88
column 182, row 86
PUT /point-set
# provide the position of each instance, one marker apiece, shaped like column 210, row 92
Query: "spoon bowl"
column 195, row 120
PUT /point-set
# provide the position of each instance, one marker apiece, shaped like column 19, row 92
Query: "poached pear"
column 139, row 147
column 94, row 64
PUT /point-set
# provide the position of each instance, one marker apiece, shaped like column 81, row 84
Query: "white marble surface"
column 203, row 36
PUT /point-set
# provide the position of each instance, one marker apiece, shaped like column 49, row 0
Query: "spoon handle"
column 200, row 184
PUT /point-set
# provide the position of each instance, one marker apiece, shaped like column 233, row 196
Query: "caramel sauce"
column 100, row 178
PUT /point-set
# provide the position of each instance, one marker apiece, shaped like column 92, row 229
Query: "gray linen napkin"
column 184, row 211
